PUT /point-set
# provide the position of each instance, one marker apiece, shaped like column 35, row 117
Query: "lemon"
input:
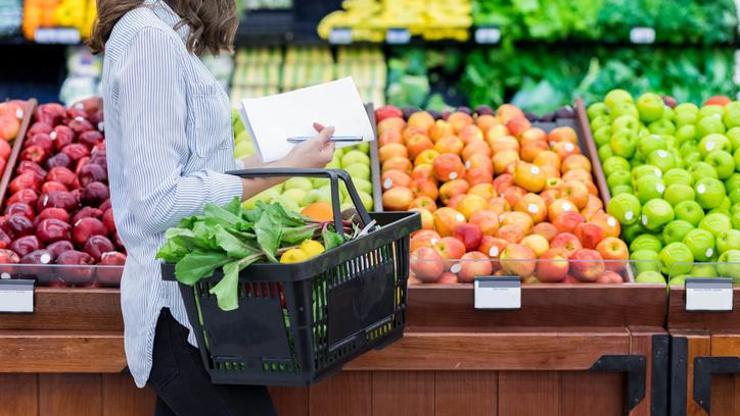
column 312, row 248
column 294, row 255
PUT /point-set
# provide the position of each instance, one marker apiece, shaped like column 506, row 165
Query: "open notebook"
column 272, row 120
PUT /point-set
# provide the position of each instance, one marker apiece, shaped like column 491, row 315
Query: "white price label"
column 397, row 36
column 340, row 36
column 498, row 293
column 58, row 35
column 642, row 35
column 16, row 296
column 487, row 35
column 709, row 295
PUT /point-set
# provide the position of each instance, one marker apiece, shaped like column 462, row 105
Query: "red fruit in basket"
column 97, row 245
column 63, row 176
column 59, row 159
column 105, row 205
column 24, row 181
column 91, row 138
column 86, row 228
column 28, row 196
column 21, row 208
column 5, row 150
column 51, row 113
column 95, row 193
column 9, row 257
column 61, row 199
column 51, row 186
column 62, row 136
column 52, row 230
column 18, row 225
column 39, row 127
column 91, row 172
column 108, row 221
column 34, row 154
column 79, row 125
column 87, row 212
column 57, row 213
column 38, row 257
column 76, row 151
column 26, row 166
column 73, row 257
column 25, row 245
column 59, row 247
column 41, row 140
column 5, row 239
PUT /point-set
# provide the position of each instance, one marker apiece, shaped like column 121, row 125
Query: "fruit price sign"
column 488, row 35
column 397, row 36
column 709, row 295
column 498, row 293
column 16, row 296
column 340, row 36
column 60, row 35
column 642, row 35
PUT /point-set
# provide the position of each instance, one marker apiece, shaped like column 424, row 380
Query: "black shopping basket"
column 298, row 323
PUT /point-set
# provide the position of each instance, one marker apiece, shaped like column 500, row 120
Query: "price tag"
column 340, row 36
column 399, row 36
column 642, row 35
column 709, row 295
column 58, row 35
column 16, row 296
column 498, row 293
column 487, row 35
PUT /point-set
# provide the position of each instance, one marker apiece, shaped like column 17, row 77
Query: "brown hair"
column 212, row 23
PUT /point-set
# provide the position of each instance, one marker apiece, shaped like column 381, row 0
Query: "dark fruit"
column 75, row 257
column 86, row 228
column 52, row 230
column 5, row 239
column 108, row 221
column 57, row 213
column 97, row 245
column 21, row 208
column 24, row 181
column 87, row 212
column 111, row 276
column 64, row 200
column 18, row 226
column 9, row 257
column 62, row 136
column 91, row 138
column 28, row 196
column 79, row 125
column 105, row 205
column 39, row 127
column 38, row 257
column 33, row 167
column 52, row 186
column 76, row 151
column 60, row 159
column 95, row 193
column 41, row 140
column 76, row 275
column 51, row 114
column 59, row 247
column 92, row 172
column 34, row 154
column 25, row 245
column 63, row 176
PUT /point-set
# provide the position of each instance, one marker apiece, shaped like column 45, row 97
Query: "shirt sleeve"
column 153, row 117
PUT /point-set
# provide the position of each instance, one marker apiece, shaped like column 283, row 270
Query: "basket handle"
column 333, row 174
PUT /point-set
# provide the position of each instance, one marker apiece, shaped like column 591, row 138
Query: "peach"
column 426, row 264
column 447, row 278
column 549, row 158
column 423, row 238
column 472, row 265
column 441, row 128
column 418, row 144
column 477, row 176
column 518, row 125
column 518, row 260
column 469, row 234
column 392, row 178
column 391, row 124
column 609, row 224
column 530, row 151
column 486, row 121
column 392, row 150
column 493, row 133
column 486, row 220
column 448, row 166
column 590, row 234
column 449, row 248
column 532, row 135
column 455, row 201
column 567, row 242
column 586, row 265
column 426, row 157
column 425, row 187
column 471, row 133
column 397, row 163
column 549, row 195
column 559, row 207
column 568, row 221
column 579, row 175
column 479, row 161
column 576, row 162
column 563, row 134
column 615, row 252
column 503, row 143
column 476, row 148
column 513, row 195
column 485, row 190
column 470, row 204
column 427, row 220
column 576, row 192
column 537, row 243
column 421, row 119
column 389, row 137
column 451, row 189
column 423, row 202
column 529, row 177
column 511, row 233
column 449, row 144
column 445, row 220
column 423, row 171
column 459, row 120
column 565, row 149
column 552, row 266
column 503, row 159
column 507, row 112
column 499, row 205
column 534, row 206
column 397, row 199
column 546, row 230
column 502, row 182
column 609, row 277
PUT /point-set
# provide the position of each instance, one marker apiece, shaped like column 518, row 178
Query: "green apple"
column 735, row 220
column 625, row 208
column 652, row 142
column 624, row 143
column 358, row 170
column 621, row 189
column 602, row 135
column 662, row 126
column 605, row 152
column 656, row 213
column 685, row 133
column 728, row 240
column 334, row 164
column 650, row 277
column 731, row 114
column 688, row 148
column 645, row 260
column 643, row 171
column 677, row 158
column 733, row 181
column 295, row 194
column 678, row 193
column 714, row 142
column 363, row 185
column 367, row 200
column 625, row 123
column 298, row 183
column 676, row 259
column 619, row 178
column 597, row 109
column 650, row 106
column 685, row 119
column 661, row 159
column 691, row 159
column 617, row 96
column 632, row 231
column 689, row 211
column 614, row 164
column 711, row 111
column 709, row 192
column 701, row 243
column 676, row 230
column 737, row 157
column 288, row 203
column 679, row 280
column 710, row 125
column 677, row 176
column 716, row 223
column 624, row 109
column 354, row 157
column 690, row 108
column 601, row 122
column 319, row 182
column 646, row 242
column 649, row 187
column 668, row 113
column 701, row 170
column 729, row 264
column 267, row 196
column 703, row 270
column 364, row 147
column 734, row 135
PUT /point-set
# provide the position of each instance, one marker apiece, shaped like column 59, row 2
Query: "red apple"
column 472, row 265
column 426, row 264
column 590, row 234
column 552, row 266
column 567, row 242
column 469, row 234
column 586, row 265
column 615, row 252
column 609, row 277
column 518, row 260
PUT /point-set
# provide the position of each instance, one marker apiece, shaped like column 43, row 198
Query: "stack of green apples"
column 299, row 192
column 674, row 178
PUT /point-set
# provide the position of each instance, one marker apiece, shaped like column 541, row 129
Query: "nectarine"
column 451, row 189
column 392, row 178
column 445, row 220
column 586, row 265
column 485, row 190
column 426, row 264
column 472, row 265
column 448, row 166
column 486, row 220
column 397, row 199
column 518, row 260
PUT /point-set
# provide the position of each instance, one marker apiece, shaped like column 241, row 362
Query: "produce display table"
column 705, row 358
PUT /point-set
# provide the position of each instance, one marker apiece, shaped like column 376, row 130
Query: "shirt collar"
column 168, row 16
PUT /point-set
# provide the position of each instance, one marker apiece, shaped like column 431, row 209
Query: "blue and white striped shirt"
column 169, row 138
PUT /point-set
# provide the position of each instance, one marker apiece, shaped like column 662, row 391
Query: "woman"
column 169, row 140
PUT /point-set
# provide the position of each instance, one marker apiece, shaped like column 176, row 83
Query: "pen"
column 342, row 139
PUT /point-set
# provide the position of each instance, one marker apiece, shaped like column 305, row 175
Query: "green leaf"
column 331, row 239
column 172, row 251
column 294, row 235
column 231, row 244
column 234, row 207
column 268, row 236
column 204, row 237
column 221, row 216
column 199, row 265
column 226, row 291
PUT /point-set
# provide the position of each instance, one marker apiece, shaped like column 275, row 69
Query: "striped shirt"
column 169, row 138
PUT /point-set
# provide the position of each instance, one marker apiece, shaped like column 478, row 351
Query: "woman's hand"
column 314, row 153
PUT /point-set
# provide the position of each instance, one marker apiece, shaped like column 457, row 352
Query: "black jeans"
column 183, row 386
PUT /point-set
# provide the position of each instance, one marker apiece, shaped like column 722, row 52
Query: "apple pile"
column 59, row 210
column 674, row 176
column 497, row 196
